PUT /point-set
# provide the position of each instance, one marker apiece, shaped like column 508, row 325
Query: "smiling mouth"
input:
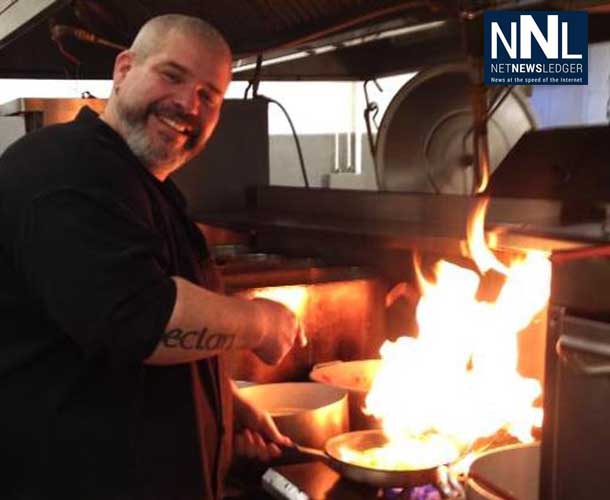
column 178, row 126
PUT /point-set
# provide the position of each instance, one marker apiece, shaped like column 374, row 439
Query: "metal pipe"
column 480, row 138
column 59, row 31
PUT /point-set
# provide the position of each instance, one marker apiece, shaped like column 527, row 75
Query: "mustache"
column 177, row 114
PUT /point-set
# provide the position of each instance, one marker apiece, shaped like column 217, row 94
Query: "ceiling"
column 313, row 39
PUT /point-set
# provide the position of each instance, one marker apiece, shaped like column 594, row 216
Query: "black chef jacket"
column 88, row 243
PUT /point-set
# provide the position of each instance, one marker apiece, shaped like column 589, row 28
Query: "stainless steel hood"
column 252, row 27
column 299, row 39
column 18, row 16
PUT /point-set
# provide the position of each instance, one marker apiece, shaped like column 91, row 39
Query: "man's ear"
column 122, row 64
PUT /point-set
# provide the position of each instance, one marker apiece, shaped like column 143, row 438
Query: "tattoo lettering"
column 201, row 341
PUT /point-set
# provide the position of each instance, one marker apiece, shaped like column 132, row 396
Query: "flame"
column 425, row 452
column 293, row 297
column 458, row 379
column 477, row 247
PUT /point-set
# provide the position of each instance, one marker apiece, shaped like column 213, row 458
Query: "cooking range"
column 356, row 254
column 383, row 232
column 316, row 480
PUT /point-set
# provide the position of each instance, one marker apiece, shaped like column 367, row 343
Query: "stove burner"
column 428, row 492
column 315, row 480
column 447, row 486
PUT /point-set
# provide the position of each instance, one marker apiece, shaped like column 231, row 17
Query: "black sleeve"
column 97, row 271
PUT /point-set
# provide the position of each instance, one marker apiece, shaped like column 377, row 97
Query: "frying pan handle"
column 298, row 451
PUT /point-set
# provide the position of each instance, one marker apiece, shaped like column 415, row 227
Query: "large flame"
column 459, row 378
column 294, row 297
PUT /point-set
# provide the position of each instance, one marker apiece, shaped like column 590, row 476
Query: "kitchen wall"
column 328, row 117
column 325, row 119
column 11, row 128
column 12, row 88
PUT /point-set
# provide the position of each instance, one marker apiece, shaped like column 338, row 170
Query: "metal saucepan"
column 507, row 473
column 307, row 412
column 356, row 377
column 360, row 441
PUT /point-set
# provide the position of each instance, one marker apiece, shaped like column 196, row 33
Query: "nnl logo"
column 528, row 30
column 535, row 48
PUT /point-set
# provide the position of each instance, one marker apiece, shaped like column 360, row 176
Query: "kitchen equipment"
column 11, row 128
column 341, row 311
column 241, row 138
column 239, row 259
column 251, row 261
column 575, row 432
column 576, row 435
column 425, row 137
column 356, row 377
column 22, row 116
column 221, row 253
column 364, row 440
column 37, row 113
column 506, row 473
column 307, row 412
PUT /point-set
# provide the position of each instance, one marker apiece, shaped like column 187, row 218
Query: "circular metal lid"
column 425, row 139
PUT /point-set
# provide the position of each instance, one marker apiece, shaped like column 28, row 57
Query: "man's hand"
column 257, row 436
column 280, row 328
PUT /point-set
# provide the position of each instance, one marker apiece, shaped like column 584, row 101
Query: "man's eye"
column 171, row 77
column 206, row 97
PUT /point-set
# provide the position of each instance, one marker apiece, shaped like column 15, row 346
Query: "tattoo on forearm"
column 198, row 340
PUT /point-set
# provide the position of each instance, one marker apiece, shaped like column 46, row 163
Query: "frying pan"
column 360, row 441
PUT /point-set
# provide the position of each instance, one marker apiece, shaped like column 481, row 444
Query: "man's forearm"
column 203, row 324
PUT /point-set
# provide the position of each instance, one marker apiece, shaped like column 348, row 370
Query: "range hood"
column 18, row 16
column 299, row 39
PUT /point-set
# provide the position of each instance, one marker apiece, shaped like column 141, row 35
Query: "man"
column 111, row 382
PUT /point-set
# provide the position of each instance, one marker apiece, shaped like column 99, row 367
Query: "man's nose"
column 188, row 99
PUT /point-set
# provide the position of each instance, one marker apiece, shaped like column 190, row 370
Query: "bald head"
column 155, row 32
column 168, row 91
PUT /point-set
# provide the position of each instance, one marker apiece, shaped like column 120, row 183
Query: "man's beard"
column 153, row 154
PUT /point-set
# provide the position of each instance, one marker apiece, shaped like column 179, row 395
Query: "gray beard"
column 153, row 156
column 150, row 155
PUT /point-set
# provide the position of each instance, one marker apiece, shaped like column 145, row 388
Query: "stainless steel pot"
column 507, row 473
column 307, row 412
column 355, row 377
